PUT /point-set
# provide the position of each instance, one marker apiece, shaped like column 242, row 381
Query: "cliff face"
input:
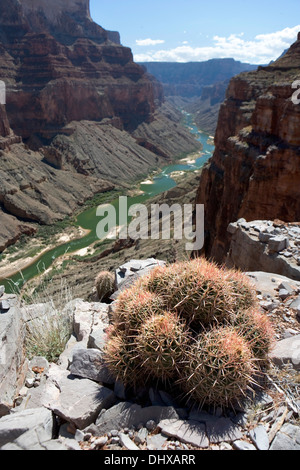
column 188, row 79
column 255, row 170
column 206, row 109
column 60, row 66
column 74, row 99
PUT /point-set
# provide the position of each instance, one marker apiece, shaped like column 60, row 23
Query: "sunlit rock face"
column 255, row 171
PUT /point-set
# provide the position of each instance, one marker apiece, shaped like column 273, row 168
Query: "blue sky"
column 191, row 30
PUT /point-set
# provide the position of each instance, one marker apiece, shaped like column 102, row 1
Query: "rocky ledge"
column 264, row 245
column 76, row 404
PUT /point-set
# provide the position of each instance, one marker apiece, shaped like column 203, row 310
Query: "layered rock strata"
column 74, row 98
column 255, row 171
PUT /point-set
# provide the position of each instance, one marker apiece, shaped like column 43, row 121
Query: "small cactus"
column 134, row 307
column 121, row 358
column 198, row 291
column 242, row 291
column 162, row 341
column 257, row 330
column 218, row 368
column 105, row 282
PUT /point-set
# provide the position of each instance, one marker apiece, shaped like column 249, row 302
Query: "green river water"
column 88, row 219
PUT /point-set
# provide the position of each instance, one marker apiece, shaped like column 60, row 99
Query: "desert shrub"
column 48, row 330
column 49, row 321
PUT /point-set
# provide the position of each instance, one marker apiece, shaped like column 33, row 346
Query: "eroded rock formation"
column 74, row 99
column 255, row 170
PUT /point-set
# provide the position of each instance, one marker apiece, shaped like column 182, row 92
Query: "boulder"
column 260, row 438
column 188, row 432
column 129, row 272
column 88, row 364
column 86, row 315
column 287, row 439
column 287, row 351
column 27, row 428
column 127, row 415
column 79, row 401
column 12, row 357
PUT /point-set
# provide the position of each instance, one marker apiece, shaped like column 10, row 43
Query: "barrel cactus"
column 218, row 368
column 105, row 283
column 192, row 324
column 161, row 344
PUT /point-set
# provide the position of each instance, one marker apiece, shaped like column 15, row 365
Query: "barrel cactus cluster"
column 192, row 324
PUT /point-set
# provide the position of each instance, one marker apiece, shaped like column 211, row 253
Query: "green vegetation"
column 49, row 324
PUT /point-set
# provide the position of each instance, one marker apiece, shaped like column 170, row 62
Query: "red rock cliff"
column 60, row 66
column 255, row 170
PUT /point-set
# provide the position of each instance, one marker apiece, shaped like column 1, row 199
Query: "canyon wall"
column 255, row 171
column 75, row 99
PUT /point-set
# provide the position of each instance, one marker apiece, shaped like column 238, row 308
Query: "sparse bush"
column 105, row 282
column 49, row 323
column 47, row 337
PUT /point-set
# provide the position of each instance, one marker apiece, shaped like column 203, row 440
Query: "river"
column 88, row 220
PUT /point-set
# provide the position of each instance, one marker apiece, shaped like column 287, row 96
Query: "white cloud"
column 261, row 50
column 149, row 42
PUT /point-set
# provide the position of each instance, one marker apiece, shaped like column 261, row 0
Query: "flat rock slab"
column 222, row 430
column 12, row 356
column 260, row 438
column 125, row 415
column 243, row 445
column 129, row 272
column 157, row 441
column 287, row 439
column 88, row 364
column 268, row 283
column 15, row 428
column 127, row 442
column 80, row 400
column 287, row 351
column 188, row 432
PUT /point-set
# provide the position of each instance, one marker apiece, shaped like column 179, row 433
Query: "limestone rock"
column 249, row 253
column 12, row 358
column 132, row 270
column 189, row 432
column 287, row 351
column 27, row 429
column 259, row 437
column 126, row 415
column 287, row 439
column 80, row 400
column 88, row 364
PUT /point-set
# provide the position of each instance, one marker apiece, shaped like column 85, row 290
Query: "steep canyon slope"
column 255, row 170
column 79, row 114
